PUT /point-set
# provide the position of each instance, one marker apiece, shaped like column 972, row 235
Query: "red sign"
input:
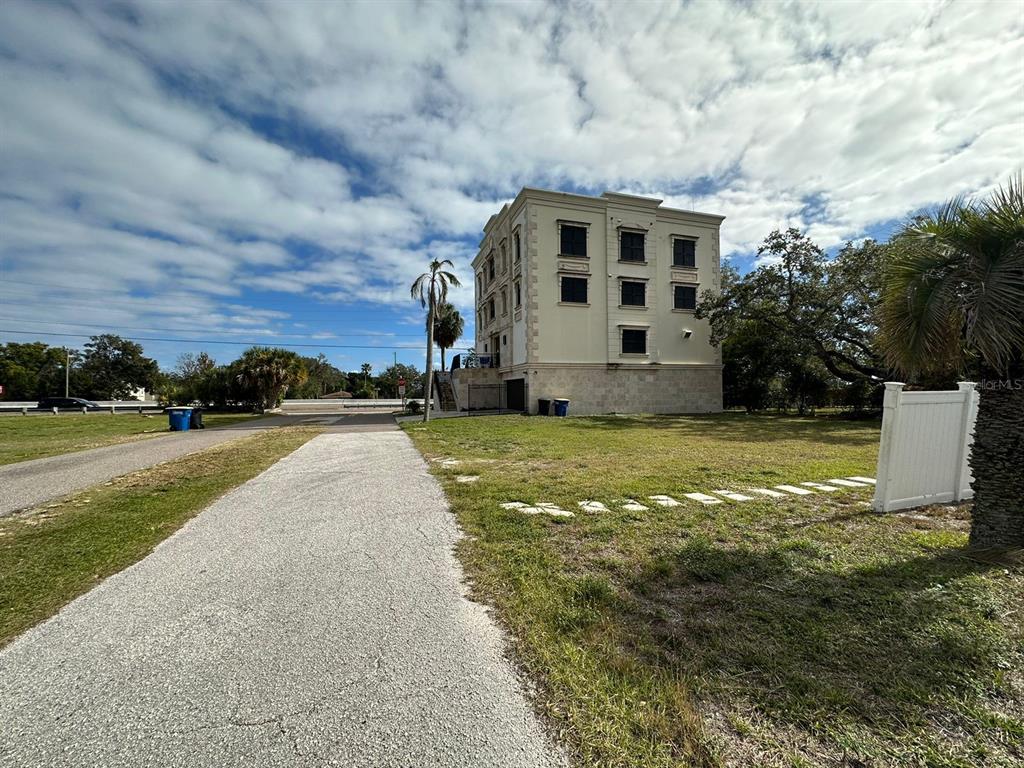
column 401, row 383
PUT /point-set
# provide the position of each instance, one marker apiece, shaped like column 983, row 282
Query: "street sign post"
column 401, row 391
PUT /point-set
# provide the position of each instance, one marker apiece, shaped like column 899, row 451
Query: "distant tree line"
column 263, row 376
column 108, row 368
column 112, row 368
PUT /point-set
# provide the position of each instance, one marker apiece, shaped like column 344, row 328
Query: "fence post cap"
column 894, row 386
column 964, row 386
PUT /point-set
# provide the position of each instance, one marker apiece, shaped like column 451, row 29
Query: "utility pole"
column 67, row 372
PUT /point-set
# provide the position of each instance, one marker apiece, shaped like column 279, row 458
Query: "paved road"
column 28, row 483
column 314, row 616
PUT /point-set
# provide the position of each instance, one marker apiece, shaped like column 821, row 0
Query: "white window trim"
column 578, row 276
column 685, row 284
column 647, row 339
column 672, row 245
column 627, row 279
column 636, row 231
column 558, row 234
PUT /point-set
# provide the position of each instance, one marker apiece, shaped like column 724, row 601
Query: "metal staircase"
column 444, row 391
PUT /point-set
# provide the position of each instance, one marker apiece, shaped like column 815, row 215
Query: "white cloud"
column 330, row 150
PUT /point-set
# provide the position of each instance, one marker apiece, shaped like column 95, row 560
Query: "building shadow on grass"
column 811, row 645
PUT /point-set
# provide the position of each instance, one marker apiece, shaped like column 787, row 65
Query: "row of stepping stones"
column 632, row 505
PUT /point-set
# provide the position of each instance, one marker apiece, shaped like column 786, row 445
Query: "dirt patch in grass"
column 801, row 631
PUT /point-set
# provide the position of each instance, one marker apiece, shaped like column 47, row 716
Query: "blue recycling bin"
column 561, row 407
column 179, row 418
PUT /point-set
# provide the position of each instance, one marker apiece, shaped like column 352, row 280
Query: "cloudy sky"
column 280, row 172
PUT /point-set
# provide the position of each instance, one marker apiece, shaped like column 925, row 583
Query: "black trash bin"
column 543, row 407
column 196, row 419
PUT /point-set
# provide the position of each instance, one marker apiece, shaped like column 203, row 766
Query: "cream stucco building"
column 591, row 299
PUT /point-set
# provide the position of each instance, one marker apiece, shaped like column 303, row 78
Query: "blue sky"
column 235, row 172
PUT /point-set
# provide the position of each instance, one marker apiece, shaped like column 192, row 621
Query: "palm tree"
column 954, row 298
column 431, row 288
column 268, row 372
column 448, row 327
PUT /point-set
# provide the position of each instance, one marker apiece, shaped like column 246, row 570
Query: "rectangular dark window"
column 519, row 297
column 634, row 341
column 631, row 246
column 490, row 308
column 574, row 241
column 685, row 297
column 518, row 250
column 684, row 253
column 574, row 290
column 490, row 268
column 634, row 294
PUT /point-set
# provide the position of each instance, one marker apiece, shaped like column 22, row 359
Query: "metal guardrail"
column 133, row 406
column 119, row 406
column 331, row 405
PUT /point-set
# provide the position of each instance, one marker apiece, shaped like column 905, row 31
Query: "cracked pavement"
column 314, row 616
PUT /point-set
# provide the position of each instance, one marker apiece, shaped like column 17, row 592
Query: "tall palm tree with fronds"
column 431, row 288
column 954, row 298
column 448, row 328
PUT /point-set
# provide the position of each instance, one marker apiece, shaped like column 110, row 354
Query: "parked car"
column 67, row 402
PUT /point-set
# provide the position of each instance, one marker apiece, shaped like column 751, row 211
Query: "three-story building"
column 592, row 299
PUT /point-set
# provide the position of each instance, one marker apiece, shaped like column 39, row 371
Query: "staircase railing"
column 444, row 391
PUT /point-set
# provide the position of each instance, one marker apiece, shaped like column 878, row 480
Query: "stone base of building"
column 594, row 389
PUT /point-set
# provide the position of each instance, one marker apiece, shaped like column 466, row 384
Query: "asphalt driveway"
column 314, row 616
column 28, row 483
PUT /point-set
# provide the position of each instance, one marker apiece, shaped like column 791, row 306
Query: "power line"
column 262, row 343
column 148, row 304
column 114, row 291
column 196, row 330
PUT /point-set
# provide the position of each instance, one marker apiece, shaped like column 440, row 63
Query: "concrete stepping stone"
column 551, row 509
column 703, row 498
column 450, row 463
column 768, row 492
column 868, row 480
column 592, row 506
column 847, row 483
column 733, row 496
column 541, row 508
column 632, row 505
column 664, row 501
column 794, row 490
column 821, row 487
column 467, row 478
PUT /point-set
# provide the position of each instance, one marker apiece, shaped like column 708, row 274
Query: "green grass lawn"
column 798, row 632
column 53, row 553
column 34, row 437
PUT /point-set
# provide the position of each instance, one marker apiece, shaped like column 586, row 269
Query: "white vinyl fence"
column 926, row 442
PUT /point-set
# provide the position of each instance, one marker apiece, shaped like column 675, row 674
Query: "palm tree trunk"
column 443, row 368
column 997, row 519
column 430, row 357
